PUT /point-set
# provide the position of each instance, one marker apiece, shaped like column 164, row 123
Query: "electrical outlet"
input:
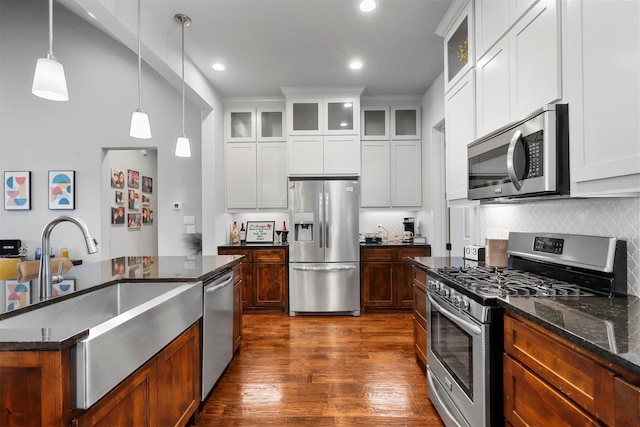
column 379, row 227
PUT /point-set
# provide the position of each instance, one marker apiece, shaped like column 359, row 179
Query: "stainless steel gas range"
column 464, row 319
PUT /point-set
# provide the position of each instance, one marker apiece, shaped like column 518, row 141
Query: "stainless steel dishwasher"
column 217, row 329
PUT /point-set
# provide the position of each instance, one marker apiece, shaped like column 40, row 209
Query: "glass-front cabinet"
column 405, row 122
column 270, row 126
column 375, row 123
column 240, row 124
column 459, row 48
column 323, row 116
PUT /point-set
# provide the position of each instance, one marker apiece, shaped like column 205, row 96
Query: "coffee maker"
column 409, row 229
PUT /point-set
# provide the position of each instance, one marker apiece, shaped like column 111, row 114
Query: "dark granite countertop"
column 257, row 246
column 608, row 327
column 89, row 277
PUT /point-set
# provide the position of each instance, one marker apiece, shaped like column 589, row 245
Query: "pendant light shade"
column 49, row 81
column 140, row 126
column 183, row 148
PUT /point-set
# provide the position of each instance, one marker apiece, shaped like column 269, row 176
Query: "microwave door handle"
column 510, row 153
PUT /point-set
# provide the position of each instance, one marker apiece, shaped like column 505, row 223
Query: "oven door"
column 457, row 357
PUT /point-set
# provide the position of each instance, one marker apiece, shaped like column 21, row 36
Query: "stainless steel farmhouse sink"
column 128, row 323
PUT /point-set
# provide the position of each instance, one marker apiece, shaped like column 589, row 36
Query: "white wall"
column 39, row 135
column 432, row 151
column 118, row 239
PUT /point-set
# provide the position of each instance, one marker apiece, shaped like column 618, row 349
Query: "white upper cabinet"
column 271, row 186
column 270, row 124
column 492, row 22
column 406, row 173
column 240, row 175
column 339, row 154
column 460, row 116
column 602, row 80
column 534, row 48
column 405, row 122
column 517, row 8
column 375, row 123
column 304, row 116
column 306, row 155
column 492, row 88
column 521, row 72
column 240, row 124
column 459, row 47
column 375, row 185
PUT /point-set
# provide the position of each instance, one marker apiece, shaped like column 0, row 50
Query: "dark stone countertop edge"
column 30, row 344
column 256, row 246
column 393, row 245
column 583, row 342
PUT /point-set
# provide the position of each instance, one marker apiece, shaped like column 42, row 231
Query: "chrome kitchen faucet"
column 45, row 278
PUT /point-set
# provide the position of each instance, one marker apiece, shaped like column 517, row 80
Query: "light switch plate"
column 189, row 220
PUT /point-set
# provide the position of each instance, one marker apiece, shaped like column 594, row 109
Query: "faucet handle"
column 58, row 278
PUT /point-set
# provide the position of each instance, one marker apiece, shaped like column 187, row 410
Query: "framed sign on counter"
column 260, row 231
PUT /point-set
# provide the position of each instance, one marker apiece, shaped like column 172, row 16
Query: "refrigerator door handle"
column 321, row 219
column 340, row 268
column 326, row 219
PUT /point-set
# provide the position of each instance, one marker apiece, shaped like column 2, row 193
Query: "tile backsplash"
column 612, row 217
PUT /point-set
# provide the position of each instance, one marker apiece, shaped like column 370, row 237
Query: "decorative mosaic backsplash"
column 611, row 217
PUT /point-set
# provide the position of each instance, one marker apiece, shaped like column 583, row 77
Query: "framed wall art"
column 117, row 178
column 17, row 295
column 62, row 190
column 147, row 184
column 17, row 191
column 133, row 178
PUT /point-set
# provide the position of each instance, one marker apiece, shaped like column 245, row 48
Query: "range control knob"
column 457, row 300
column 465, row 304
column 444, row 292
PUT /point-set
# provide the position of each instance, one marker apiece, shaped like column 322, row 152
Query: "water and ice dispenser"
column 303, row 226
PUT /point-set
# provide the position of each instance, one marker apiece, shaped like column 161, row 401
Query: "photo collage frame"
column 132, row 194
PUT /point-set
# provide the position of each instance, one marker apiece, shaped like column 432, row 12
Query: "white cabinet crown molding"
column 450, row 17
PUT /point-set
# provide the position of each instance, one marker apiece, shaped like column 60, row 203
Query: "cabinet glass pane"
column 458, row 50
column 374, row 123
column 340, row 116
column 406, row 122
column 305, row 116
column 271, row 124
column 241, row 125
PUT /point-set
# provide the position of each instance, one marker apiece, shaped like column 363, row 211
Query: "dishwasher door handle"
column 214, row 288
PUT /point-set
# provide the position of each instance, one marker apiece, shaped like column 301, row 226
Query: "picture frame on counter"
column 17, row 190
column 260, row 231
column 62, row 190
column 17, row 295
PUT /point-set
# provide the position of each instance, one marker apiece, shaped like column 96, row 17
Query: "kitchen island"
column 39, row 362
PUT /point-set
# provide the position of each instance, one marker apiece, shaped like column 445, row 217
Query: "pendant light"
column 140, row 127
column 183, row 149
column 48, row 80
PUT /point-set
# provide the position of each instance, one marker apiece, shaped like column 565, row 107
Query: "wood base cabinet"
column 386, row 277
column 265, row 277
column 420, row 316
column 163, row 392
column 551, row 381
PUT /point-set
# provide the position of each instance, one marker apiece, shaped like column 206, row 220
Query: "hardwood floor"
column 323, row 371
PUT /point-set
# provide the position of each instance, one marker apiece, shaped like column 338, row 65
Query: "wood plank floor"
column 323, row 371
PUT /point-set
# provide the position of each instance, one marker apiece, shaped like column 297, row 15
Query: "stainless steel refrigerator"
column 324, row 252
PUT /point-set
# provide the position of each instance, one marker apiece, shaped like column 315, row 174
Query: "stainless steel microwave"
column 528, row 158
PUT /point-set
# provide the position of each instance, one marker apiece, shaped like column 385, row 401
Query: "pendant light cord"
column 50, row 55
column 139, row 63
column 183, row 25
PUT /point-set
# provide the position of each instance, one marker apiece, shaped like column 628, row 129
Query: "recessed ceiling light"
column 367, row 5
column 355, row 65
column 218, row 67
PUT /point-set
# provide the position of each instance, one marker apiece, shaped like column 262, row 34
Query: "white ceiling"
column 269, row 44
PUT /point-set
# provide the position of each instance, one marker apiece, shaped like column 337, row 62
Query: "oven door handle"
column 510, row 155
column 468, row 326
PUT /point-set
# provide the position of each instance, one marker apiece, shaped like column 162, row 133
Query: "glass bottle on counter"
column 235, row 236
column 243, row 234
